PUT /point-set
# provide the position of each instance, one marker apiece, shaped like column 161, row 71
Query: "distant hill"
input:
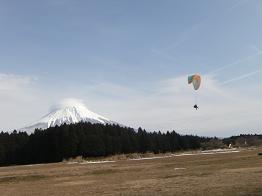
column 244, row 140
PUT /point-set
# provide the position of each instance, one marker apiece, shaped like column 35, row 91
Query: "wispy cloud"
column 239, row 3
column 174, row 44
column 244, row 76
column 187, row 34
column 239, row 61
column 164, row 55
column 167, row 106
column 18, row 99
column 12, row 82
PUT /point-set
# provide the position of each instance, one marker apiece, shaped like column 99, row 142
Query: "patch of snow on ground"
column 95, row 162
column 180, row 168
column 73, row 162
column 150, row 158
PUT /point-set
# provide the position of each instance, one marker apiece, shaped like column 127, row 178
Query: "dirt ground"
column 238, row 173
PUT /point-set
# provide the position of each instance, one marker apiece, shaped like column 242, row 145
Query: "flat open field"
column 236, row 173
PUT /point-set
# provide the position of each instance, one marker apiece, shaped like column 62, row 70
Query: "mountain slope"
column 67, row 113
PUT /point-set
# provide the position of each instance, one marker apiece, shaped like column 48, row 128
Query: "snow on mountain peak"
column 69, row 111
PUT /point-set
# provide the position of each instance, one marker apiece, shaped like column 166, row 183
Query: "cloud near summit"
column 68, row 102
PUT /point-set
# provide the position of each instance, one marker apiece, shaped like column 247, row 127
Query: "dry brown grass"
column 118, row 157
column 218, row 174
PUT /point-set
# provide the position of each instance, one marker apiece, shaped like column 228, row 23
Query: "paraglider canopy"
column 195, row 80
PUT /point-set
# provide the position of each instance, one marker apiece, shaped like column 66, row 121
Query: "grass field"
column 238, row 173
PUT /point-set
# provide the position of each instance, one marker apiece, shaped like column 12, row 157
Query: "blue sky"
column 118, row 56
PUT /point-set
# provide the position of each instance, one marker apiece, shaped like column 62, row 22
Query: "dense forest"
column 88, row 140
column 93, row 140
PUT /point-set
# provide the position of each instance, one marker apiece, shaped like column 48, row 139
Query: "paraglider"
column 196, row 81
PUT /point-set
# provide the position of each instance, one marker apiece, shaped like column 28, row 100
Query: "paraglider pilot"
column 196, row 107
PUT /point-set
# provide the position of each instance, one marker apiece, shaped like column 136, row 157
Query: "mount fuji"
column 68, row 112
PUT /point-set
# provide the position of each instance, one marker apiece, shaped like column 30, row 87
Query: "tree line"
column 93, row 140
column 88, row 140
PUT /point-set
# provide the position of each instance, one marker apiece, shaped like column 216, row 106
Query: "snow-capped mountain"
column 69, row 112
